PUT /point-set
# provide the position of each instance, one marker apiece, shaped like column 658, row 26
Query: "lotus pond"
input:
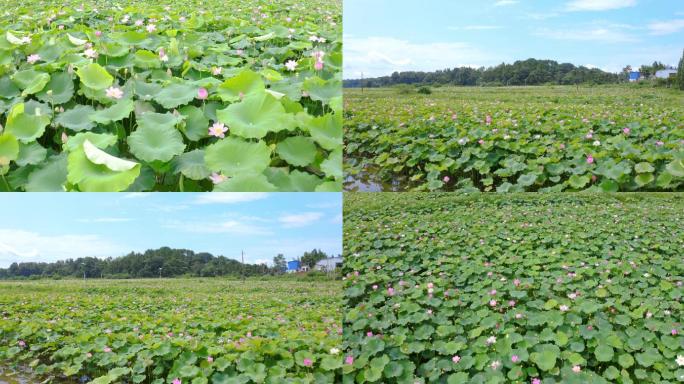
column 134, row 95
column 522, row 288
column 172, row 330
column 514, row 139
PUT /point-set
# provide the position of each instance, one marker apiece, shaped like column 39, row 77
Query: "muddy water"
column 12, row 376
column 368, row 181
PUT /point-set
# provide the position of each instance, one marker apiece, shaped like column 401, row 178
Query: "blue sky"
column 55, row 226
column 383, row 36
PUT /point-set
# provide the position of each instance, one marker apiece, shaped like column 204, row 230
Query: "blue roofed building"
column 634, row 76
column 293, row 266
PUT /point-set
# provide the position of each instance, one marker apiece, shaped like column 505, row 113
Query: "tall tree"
column 279, row 263
column 311, row 258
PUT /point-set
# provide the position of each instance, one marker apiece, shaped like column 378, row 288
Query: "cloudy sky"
column 53, row 226
column 383, row 36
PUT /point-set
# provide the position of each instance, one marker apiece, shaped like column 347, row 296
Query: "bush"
column 424, row 91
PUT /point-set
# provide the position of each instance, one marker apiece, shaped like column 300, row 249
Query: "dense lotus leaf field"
column 514, row 139
column 173, row 330
column 231, row 95
column 522, row 288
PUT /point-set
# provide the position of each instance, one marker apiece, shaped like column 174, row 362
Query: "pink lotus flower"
column 89, row 355
column 202, row 93
column 217, row 178
column 107, row 349
column 369, row 334
column 114, row 92
column 590, row 159
column 674, row 332
column 176, row 381
column 495, row 364
column 492, row 303
column 216, row 71
column 307, row 362
column 98, row 33
column 659, row 143
column 90, row 53
column 375, row 287
column 626, row 130
column 577, row 369
column 22, row 343
column 456, row 358
column 218, row 130
column 488, row 120
column 446, row 179
column 151, row 28
column 515, row 358
column 33, row 58
column 516, row 282
column 481, row 142
column 390, row 291
column 349, row 360
column 536, row 381
column 318, row 66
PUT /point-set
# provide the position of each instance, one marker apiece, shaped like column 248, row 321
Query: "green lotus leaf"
column 24, row 126
column 8, row 89
column 332, row 166
column 298, row 151
column 322, row 90
column 76, row 118
column 245, row 83
column 176, row 94
column 9, row 149
column 191, row 165
column 644, row 167
column 146, row 59
column 294, row 181
column 196, row 124
column 100, row 140
column 255, row 116
column 152, row 142
column 546, row 357
column 234, row 156
column 129, row 37
column 329, row 186
column 644, row 178
column 119, row 111
column 604, row 353
column 32, row 153
column 94, row 76
column 98, row 171
column 245, row 183
column 579, row 181
column 326, row 130
column 59, row 90
column 676, row 167
column 50, row 177
column 30, row 81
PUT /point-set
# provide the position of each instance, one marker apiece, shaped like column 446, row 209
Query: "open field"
column 173, row 330
column 512, row 139
column 170, row 96
column 522, row 288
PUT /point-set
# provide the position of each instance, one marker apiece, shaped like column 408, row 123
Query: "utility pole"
column 361, row 82
column 243, row 266
column 160, row 269
column 84, row 272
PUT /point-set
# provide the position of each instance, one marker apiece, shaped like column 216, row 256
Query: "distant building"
column 634, row 76
column 293, row 266
column 330, row 264
column 666, row 73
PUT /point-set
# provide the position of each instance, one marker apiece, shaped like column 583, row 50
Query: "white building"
column 666, row 73
column 328, row 265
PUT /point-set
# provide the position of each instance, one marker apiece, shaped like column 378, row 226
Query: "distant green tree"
column 279, row 263
column 311, row 258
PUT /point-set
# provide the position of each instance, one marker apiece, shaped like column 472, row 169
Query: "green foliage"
column 546, row 139
column 571, row 288
column 424, row 91
column 158, row 78
column 157, row 330
column 680, row 73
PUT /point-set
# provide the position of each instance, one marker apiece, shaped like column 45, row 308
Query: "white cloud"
column 337, row 219
column 229, row 197
column 26, row 246
column 542, row 16
column 137, row 195
column 475, row 27
column 263, row 261
column 666, row 27
column 300, row 219
column 379, row 56
column 106, row 220
column 232, row 226
column 599, row 34
column 502, row 3
column 599, row 5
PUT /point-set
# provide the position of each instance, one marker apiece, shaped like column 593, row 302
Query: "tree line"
column 164, row 262
column 525, row 72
